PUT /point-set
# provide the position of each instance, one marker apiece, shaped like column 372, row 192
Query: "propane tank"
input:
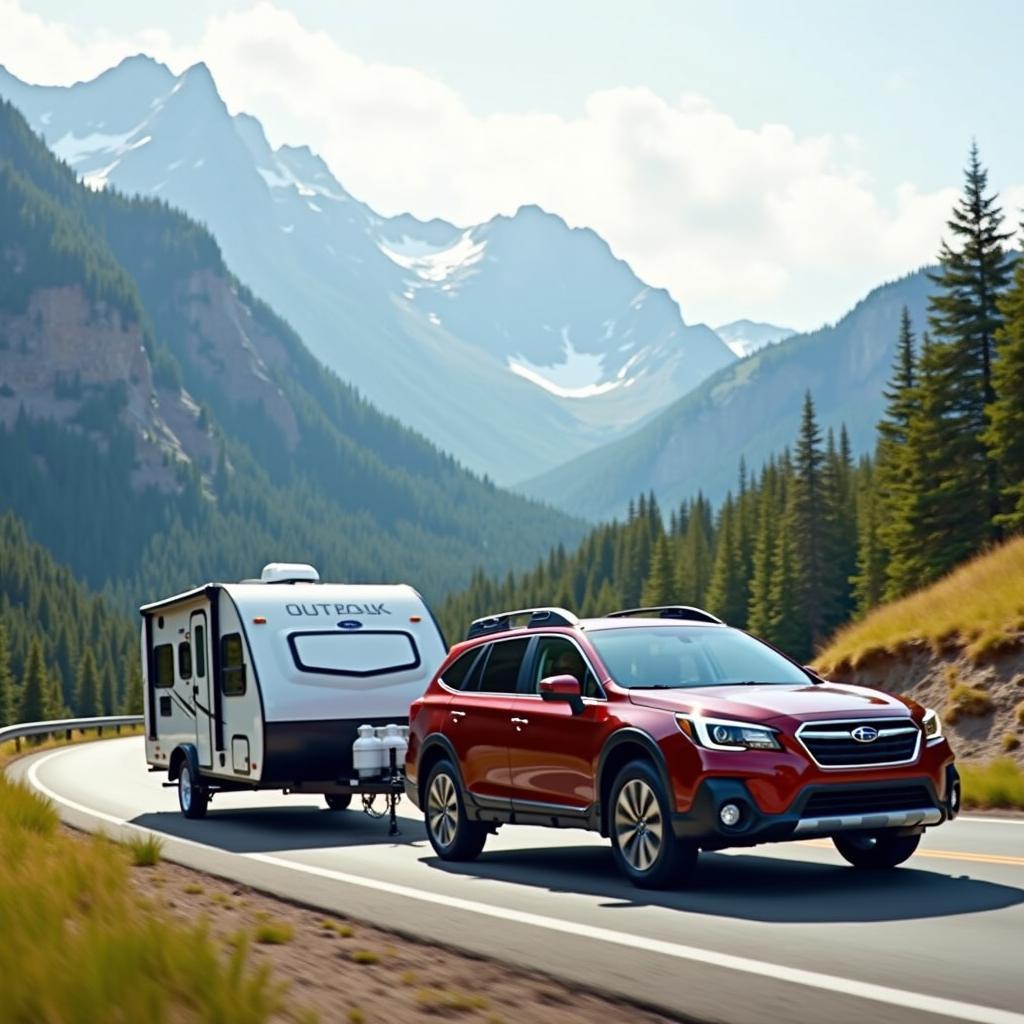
column 368, row 753
column 393, row 740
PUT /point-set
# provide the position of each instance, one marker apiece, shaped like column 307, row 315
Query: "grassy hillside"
column 978, row 607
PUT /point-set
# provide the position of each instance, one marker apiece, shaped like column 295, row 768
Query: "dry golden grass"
column 980, row 604
column 80, row 945
column 966, row 702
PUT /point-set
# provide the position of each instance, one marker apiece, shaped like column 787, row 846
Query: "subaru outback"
column 668, row 732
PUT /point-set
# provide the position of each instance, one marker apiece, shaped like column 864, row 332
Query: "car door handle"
column 457, row 714
column 521, row 721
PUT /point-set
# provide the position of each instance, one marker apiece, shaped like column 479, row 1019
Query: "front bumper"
column 805, row 819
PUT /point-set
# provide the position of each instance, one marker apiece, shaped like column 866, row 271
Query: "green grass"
column 998, row 783
column 274, row 933
column 980, row 605
column 366, row 957
column 145, row 850
column 81, row 945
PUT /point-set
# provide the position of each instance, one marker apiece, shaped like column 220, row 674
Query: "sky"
column 762, row 159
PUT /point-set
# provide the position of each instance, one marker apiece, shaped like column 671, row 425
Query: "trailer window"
column 369, row 652
column 232, row 665
column 163, row 657
column 184, row 660
column 200, row 634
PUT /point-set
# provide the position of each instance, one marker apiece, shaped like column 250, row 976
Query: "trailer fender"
column 186, row 752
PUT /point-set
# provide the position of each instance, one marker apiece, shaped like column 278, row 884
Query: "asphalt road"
column 783, row 933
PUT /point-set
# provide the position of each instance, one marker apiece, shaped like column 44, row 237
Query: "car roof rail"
column 535, row 617
column 668, row 611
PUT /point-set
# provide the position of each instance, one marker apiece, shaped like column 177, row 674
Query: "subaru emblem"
column 865, row 734
column 350, row 624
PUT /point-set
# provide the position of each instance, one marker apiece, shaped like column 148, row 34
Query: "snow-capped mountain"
column 514, row 344
column 745, row 337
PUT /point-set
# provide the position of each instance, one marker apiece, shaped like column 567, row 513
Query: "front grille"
column 832, row 745
column 826, row 804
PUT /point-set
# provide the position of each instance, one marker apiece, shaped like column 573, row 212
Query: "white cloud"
column 734, row 221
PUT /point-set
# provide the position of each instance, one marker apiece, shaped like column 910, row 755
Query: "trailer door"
column 202, row 687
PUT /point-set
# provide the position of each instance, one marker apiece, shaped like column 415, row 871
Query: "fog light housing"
column 730, row 815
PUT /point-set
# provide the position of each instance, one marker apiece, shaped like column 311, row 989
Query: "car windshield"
column 689, row 656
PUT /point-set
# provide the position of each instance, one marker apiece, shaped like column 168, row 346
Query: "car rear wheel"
column 193, row 796
column 640, row 823
column 452, row 835
column 876, row 851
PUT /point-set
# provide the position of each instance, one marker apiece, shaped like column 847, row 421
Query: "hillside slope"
column 750, row 409
column 514, row 344
column 160, row 425
column 957, row 646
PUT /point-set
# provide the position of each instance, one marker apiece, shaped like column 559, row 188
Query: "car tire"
column 452, row 835
column 193, row 796
column 876, row 851
column 645, row 848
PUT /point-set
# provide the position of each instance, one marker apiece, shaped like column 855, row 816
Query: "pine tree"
column 659, row 589
column 35, row 686
column 788, row 626
column 806, row 522
column 1005, row 433
column 133, row 688
column 87, row 688
column 869, row 579
column 964, row 318
column 7, row 706
column 693, row 567
column 726, row 593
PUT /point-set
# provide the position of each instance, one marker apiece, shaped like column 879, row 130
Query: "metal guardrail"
column 24, row 730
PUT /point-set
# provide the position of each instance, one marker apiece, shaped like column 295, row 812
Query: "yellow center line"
column 978, row 858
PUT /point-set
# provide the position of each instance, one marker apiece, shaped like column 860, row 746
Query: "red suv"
column 668, row 732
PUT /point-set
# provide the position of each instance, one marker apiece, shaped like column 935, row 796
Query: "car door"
column 552, row 752
column 478, row 724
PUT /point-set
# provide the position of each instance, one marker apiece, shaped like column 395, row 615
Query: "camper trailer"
column 263, row 684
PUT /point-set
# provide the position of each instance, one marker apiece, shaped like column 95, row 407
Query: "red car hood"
column 760, row 703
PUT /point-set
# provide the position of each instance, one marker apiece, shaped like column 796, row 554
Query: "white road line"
column 919, row 1001
column 991, row 821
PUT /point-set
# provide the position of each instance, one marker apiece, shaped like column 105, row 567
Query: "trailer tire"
column 193, row 796
column 338, row 801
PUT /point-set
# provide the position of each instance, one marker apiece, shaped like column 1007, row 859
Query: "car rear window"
column 365, row 653
column 690, row 656
column 501, row 673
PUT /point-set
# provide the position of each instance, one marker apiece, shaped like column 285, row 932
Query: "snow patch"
column 73, row 150
column 578, row 375
column 315, row 208
column 434, row 319
column 199, row 163
column 45, row 118
column 431, row 263
column 287, row 228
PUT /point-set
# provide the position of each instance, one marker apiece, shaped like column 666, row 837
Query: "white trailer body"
column 262, row 684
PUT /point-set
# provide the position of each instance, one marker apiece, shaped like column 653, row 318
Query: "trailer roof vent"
column 289, row 572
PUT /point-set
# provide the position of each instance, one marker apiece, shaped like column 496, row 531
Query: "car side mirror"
column 565, row 688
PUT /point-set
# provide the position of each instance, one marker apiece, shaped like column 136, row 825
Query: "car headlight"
column 931, row 724
column 723, row 734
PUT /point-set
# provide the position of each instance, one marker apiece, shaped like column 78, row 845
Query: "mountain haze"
column 513, row 344
column 160, row 425
column 750, row 410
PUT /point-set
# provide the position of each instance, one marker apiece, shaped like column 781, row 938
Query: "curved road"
column 774, row 934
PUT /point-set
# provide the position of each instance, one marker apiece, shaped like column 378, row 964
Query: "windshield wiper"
column 659, row 686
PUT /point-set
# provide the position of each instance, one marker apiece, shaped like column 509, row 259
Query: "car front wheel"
column 452, row 835
column 643, row 843
column 877, row 851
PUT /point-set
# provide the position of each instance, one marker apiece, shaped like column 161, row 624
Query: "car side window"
column 501, row 673
column 459, row 675
column 557, row 656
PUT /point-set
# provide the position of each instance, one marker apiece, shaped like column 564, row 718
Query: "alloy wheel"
column 638, row 824
column 443, row 809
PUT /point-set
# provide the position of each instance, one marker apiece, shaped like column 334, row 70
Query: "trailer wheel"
column 193, row 796
column 338, row 801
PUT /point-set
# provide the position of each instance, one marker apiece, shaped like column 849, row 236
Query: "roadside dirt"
column 337, row 970
column 981, row 725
